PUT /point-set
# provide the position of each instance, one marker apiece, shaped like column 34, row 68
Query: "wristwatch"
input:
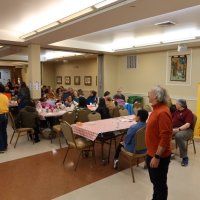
column 157, row 156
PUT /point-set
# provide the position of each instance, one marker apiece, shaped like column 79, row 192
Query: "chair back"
column 140, row 140
column 147, row 108
column 68, row 133
column 123, row 112
column 194, row 122
column 83, row 115
column 93, row 116
column 69, row 117
column 12, row 121
column 116, row 112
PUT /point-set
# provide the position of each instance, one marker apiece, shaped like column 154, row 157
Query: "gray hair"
column 161, row 94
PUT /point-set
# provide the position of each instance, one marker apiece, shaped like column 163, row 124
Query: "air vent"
column 131, row 61
column 166, row 23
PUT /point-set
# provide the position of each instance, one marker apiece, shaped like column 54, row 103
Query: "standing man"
column 3, row 119
column 182, row 128
column 158, row 139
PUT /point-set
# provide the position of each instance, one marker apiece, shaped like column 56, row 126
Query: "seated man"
column 119, row 95
column 182, row 128
column 28, row 117
column 129, row 141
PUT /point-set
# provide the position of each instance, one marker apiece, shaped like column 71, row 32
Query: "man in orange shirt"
column 158, row 138
column 3, row 119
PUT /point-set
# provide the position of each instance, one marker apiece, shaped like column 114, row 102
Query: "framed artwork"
column 67, row 80
column 77, row 80
column 178, row 68
column 88, row 80
column 59, row 79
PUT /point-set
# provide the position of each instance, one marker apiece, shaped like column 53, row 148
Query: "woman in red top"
column 158, row 139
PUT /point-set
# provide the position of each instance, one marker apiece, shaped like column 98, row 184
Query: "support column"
column 34, row 70
column 100, row 75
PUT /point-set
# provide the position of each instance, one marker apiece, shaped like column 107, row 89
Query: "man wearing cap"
column 182, row 128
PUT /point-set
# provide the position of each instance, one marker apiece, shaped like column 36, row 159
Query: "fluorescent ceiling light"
column 147, row 44
column 28, row 35
column 47, row 26
column 76, row 15
column 58, row 54
column 177, row 39
column 104, row 3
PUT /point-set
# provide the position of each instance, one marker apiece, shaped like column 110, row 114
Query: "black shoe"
column 36, row 141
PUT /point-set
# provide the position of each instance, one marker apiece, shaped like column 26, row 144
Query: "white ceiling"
column 98, row 32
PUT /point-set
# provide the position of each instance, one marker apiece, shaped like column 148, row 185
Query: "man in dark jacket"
column 28, row 117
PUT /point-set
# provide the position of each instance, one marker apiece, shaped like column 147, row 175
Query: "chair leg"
column 78, row 160
column 131, row 166
column 194, row 146
column 12, row 137
column 66, row 155
column 17, row 139
column 59, row 139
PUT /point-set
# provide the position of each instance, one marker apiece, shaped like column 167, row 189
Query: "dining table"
column 96, row 130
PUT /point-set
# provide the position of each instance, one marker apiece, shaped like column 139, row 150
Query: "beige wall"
column 150, row 71
column 48, row 74
column 82, row 68
column 110, row 71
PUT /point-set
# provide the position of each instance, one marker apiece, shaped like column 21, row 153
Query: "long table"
column 91, row 130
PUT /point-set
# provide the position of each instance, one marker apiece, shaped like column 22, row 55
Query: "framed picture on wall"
column 179, row 66
column 59, row 79
column 88, row 80
column 67, row 80
column 77, row 80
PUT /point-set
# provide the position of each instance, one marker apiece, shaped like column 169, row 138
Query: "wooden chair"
column 93, row 116
column 148, row 108
column 191, row 140
column 82, row 115
column 116, row 112
column 80, row 144
column 20, row 131
column 70, row 118
column 140, row 150
column 123, row 112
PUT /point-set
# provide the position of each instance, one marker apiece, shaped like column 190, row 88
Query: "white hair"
column 161, row 94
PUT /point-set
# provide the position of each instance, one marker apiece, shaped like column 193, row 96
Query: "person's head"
column 102, row 102
column 158, row 95
column 2, row 88
column 119, row 91
column 109, row 99
column 80, row 92
column 106, row 94
column 82, row 102
column 142, row 115
column 23, row 84
column 181, row 104
column 93, row 93
column 69, row 98
column 31, row 104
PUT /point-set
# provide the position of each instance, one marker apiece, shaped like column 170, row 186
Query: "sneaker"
column 116, row 164
column 184, row 162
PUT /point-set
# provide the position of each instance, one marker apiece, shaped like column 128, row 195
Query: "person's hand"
column 154, row 162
